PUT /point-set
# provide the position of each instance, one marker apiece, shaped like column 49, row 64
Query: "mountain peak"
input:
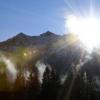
column 48, row 33
column 21, row 34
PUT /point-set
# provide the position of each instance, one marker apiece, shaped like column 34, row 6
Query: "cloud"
column 10, row 67
column 41, row 68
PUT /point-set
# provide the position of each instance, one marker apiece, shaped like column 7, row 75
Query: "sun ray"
column 70, row 7
column 86, row 27
column 92, row 8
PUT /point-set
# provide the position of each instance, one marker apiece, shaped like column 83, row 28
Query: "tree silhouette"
column 33, row 85
column 50, row 86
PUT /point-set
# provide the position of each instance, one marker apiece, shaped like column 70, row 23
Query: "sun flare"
column 86, row 28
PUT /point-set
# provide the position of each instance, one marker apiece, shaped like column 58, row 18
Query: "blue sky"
column 37, row 16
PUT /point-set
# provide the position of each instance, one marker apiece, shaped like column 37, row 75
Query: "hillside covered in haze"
column 48, row 67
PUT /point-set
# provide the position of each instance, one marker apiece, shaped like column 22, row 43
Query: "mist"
column 41, row 68
column 10, row 68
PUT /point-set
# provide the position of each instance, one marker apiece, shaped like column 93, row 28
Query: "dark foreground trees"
column 50, row 85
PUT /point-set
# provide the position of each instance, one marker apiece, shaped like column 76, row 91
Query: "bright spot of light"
column 25, row 54
column 86, row 28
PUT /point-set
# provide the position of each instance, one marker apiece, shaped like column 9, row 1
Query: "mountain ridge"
column 27, row 40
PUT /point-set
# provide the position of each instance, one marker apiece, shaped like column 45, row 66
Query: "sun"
column 86, row 28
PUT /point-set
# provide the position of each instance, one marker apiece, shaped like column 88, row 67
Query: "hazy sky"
column 37, row 16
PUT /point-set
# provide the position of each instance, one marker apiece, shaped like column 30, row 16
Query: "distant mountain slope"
column 58, row 51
